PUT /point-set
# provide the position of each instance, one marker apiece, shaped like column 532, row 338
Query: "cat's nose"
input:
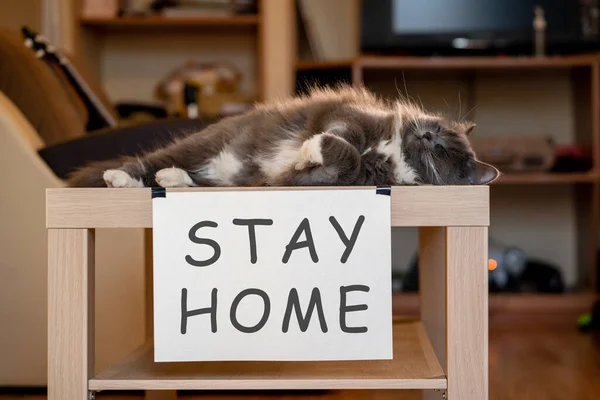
column 427, row 136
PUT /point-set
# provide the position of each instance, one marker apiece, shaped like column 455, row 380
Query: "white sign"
column 272, row 275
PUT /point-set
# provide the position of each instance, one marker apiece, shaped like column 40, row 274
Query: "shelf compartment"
column 171, row 22
column 414, row 366
column 510, row 304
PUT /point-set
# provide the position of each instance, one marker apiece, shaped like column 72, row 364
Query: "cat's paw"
column 173, row 177
column 116, row 178
column 311, row 152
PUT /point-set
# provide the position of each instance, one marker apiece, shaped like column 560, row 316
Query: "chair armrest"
column 106, row 144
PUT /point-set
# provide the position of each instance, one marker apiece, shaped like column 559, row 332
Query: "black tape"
column 159, row 192
column 385, row 190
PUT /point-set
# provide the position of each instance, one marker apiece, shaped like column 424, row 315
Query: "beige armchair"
column 120, row 316
column 43, row 137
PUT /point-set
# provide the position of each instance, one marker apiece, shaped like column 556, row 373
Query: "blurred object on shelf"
column 190, row 98
column 516, row 153
column 535, row 276
column 397, row 281
column 571, row 159
column 245, row 6
column 216, row 90
column 590, row 322
column 505, row 263
column 511, row 270
column 198, row 8
column 539, row 27
column 195, row 8
column 540, row 277
column 100, row 8
column 135, row 7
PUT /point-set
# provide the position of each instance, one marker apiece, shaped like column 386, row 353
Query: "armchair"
column 42, row 139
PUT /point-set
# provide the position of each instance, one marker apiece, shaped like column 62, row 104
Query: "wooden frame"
column 445, row 352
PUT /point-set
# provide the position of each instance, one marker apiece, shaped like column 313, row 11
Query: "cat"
column 342, row 136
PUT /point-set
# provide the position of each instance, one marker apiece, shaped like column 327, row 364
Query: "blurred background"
column 85, row 80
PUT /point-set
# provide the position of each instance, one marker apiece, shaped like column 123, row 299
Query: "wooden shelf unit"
column 584, row 73
column 428, row 355
column 415, row 366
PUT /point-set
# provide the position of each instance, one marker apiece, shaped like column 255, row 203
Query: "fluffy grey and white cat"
column 344, row 136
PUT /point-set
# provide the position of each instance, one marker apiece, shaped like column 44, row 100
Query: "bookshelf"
column 478, row 78
column 116, row 50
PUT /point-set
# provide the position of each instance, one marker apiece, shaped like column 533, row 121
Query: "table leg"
column 454, row 306
column 70, row 313
column 467, row 307
column 432, row 293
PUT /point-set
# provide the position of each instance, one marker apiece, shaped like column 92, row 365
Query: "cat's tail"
column 91, row 175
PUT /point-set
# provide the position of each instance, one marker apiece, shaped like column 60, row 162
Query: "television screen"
column 445, row 25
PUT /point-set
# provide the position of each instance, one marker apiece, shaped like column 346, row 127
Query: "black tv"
column 477, row 26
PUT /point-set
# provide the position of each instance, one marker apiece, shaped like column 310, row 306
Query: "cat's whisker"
column 459, row 106
column 466, row 115
column 428, row 167
column 444, row 100
column 398, row 89
column 431, row 164
column 416, row 123
column 405, row 87
column 421, row 102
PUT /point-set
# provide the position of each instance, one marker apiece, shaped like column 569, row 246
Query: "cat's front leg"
column 326, row 158
column 311, row 152
column 117, row 178
column 173, row 177
column 166, row 177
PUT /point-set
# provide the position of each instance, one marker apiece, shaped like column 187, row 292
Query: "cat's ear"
column 469, row 129
column 483, row 174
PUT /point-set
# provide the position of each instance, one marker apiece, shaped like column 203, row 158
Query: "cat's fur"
column 343, row 136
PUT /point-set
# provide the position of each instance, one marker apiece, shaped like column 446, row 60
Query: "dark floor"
column 540, row 363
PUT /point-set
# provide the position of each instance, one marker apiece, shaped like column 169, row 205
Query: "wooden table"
column 445, row 353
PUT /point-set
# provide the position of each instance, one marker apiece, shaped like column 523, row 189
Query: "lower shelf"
column 513, row 305
column 414, row 366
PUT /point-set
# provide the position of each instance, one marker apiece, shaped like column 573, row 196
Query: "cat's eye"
column 438, row 129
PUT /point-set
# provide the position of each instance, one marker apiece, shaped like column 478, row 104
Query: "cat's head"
column 440, row 153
